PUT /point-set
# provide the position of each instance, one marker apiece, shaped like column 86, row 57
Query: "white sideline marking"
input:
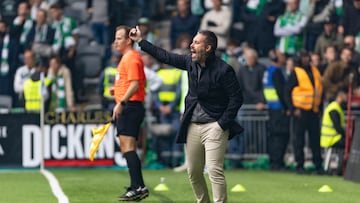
column 55, row 187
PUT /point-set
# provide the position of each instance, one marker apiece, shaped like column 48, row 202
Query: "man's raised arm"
column 163, row 56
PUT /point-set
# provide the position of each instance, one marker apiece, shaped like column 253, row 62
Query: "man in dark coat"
column 211, row 105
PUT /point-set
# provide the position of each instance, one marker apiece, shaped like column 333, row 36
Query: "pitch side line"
column 55, row 187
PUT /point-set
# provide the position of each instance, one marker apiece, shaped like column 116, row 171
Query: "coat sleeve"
column 163, row 56
column 232, row 90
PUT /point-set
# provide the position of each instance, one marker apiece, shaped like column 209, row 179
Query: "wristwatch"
column 123, row 103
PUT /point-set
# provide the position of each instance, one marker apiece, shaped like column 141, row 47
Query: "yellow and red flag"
column 98, row 135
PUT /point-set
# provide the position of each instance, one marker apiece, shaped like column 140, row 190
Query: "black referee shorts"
column 129, row 121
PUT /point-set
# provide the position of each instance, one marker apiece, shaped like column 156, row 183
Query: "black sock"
column 134, row 166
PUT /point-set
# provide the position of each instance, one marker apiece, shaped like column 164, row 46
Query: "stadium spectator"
column 66, row 37
column 167, row 100
column 35, row 5
column 62, row 97
column 317, row 13
column 328, row 37
column 5, row 70
column 279, row 121
column 106, row 81
column 22, row 74
column 350, row 17
column 337, row 74
column 233, row 52
column 129, row 111
column 183, row 48
column 33, row 92
column 289, row 29
column 41, row 37
column 99, row 22
column 250, row 78
column 330, row 55
column 211, row 106
column 183, row 22
column 153, row 83
column 21, row 27
column 289, row 67
column 259, row 18
column 315, row 60
column 304, row 91
column 349, row 41
column 218, row 20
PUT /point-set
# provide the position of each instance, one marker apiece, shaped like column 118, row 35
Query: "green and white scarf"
column 293, row 43
column 4, row 68
column 26, row 29
column 357, row 42
column 58, row 102
column 63, row 33
column 41, row 32
column 255, row 6
column 338, row 4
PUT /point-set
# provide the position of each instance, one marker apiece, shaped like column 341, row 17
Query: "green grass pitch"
column 104, row 185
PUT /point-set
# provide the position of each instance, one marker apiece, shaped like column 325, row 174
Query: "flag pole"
column 42, row 110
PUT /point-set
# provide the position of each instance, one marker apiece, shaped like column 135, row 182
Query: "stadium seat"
column 89, row 61
column 85, row 37
column 79, row 14
column 5, row 102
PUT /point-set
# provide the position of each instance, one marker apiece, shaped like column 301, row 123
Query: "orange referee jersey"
column 131, row 67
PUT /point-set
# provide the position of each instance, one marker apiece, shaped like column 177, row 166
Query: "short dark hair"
column 56, row 6
column 28, row 6
column 346, row 47
column 210, row 39
column 127, row 31
column 330, row 46
column 44, row 11
column 56, row 58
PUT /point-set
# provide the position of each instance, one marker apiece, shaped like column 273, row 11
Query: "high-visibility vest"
column 305, row 96
column 32, row 94
column 171, row 78
column 329, row 136
column 270, row 94
column 109, row 79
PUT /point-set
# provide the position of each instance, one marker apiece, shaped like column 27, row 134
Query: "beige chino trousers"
column 206, row 144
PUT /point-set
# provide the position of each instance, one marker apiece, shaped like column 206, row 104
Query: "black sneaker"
column 129, row 195
column 134, row 195
column 144, row 193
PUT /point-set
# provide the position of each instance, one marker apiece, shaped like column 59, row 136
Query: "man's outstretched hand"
column 135, row 34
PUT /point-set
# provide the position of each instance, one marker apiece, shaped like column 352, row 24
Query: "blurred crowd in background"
column 71, row 42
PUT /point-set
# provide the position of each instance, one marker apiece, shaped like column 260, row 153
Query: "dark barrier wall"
column 67, row 138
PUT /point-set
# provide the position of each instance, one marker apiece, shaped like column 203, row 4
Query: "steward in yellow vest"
column 169, row 91
column 109, row 78
column 304, row 91
column 32, row 92
column 307, row 96
column 106, row 82
column 333, row 122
